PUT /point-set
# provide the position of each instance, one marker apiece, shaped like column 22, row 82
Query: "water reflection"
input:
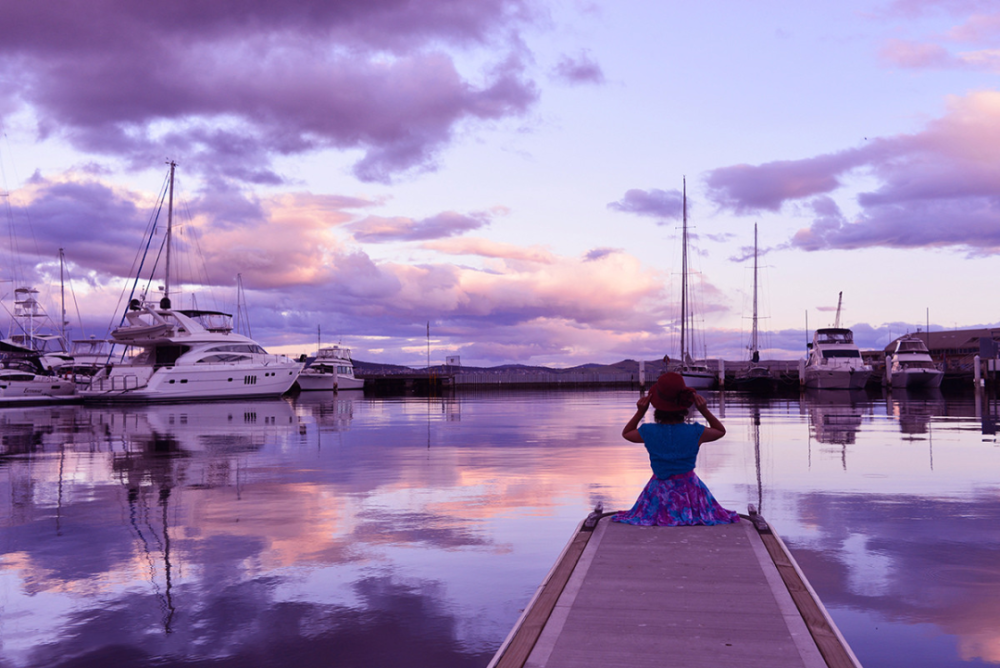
column 381, row 532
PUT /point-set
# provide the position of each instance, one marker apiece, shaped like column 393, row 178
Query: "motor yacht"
column 911, row 365
column 181, row 355
column 188, row 354
column 331, row 370
column 834, row 361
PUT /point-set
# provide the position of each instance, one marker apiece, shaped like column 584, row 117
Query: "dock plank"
column 683, row 596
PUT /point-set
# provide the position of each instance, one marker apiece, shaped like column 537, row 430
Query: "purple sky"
column 510, row 171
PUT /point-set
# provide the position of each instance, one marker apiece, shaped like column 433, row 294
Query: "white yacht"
column 188, row 355
column 179, row 355
column 911, row 365
column 19, row 385
column 834, row 361
column 332, row 370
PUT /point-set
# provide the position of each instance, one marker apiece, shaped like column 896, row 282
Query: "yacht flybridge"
column 834, row 361
column 179, row 355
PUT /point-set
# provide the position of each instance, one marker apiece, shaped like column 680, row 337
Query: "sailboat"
column 758, row 378
column 695, row 375
column 187, row 354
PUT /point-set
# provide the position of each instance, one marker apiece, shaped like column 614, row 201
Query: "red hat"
column 671, row 393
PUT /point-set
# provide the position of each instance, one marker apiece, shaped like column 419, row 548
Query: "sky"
column 507, row 175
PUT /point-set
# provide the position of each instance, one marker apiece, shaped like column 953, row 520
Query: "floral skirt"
column 680, row 500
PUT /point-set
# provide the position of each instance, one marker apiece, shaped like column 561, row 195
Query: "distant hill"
column 653, row 368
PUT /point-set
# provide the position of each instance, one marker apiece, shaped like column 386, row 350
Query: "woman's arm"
column 631, row 430
column 715, row 429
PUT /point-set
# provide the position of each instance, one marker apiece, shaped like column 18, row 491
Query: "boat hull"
column 317, row 382
column 756, row 384
column 188, row 382
column 698, row 380
column 836, row 379
column 917, row 378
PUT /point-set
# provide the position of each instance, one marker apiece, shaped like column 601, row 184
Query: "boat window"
column 7, row 377
column 840, row 353
column 223, row 358
column 167, row 355
column 239, row 348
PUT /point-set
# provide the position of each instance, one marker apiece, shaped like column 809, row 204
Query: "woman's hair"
column 669, row 417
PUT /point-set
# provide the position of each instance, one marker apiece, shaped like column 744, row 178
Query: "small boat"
column 834, row 361
column 23, row 376
column 911, row 366
column 696, row 374
column 758, row 378
column 331, row 370
column 19, row 385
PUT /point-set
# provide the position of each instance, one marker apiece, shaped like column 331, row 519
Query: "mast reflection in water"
column 349, row 531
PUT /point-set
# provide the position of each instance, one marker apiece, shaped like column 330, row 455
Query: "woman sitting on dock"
column 674, row 496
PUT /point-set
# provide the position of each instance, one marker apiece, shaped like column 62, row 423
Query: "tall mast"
column 836, row 322
column 62, row 294
column 170, row 225
column 753, row 336
column 684, row 273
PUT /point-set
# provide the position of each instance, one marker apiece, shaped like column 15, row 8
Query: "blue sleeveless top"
column 673, row 448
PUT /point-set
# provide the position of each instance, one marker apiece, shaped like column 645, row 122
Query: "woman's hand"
column 700, row 403
column 631, row 430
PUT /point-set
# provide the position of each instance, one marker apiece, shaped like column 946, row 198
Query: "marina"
column 323, row 524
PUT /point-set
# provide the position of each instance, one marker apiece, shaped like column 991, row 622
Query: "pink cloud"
column 491, row 249
column 936, row 188
column 374, row 229
column 227, row 86
column 301, row 269
column 916, row 55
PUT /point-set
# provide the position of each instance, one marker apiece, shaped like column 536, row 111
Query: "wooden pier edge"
column 830, row 642
column 517, row 646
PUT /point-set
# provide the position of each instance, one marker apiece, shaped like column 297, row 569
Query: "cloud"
column 653, row 203
column 227, row 89
column 492, row 249
column 600, row 253
column 448, row 224
column 934, row 188
column 301, row 267
column 580, row 70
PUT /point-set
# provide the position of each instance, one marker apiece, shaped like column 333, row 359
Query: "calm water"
column 352, row 531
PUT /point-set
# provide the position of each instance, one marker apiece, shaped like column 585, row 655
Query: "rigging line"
column 140, row 256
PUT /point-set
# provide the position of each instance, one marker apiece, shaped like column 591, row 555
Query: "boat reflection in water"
column 835, row 416
column 915, row 408
column 350, row 530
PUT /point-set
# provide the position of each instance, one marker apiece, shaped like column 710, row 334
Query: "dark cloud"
column 378, row 230
column 599, row 253
column 653, row 203
column 227, row 86
column 580, row 70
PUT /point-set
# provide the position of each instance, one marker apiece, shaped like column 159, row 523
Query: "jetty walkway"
column 720, row 596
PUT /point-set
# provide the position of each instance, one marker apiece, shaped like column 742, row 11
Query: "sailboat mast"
column 836, row 322
column 170, row 225
column 684, row 273
column 62, row 295
column 753, row 335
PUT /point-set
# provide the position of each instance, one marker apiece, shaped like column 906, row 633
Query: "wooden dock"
column 685, row 597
